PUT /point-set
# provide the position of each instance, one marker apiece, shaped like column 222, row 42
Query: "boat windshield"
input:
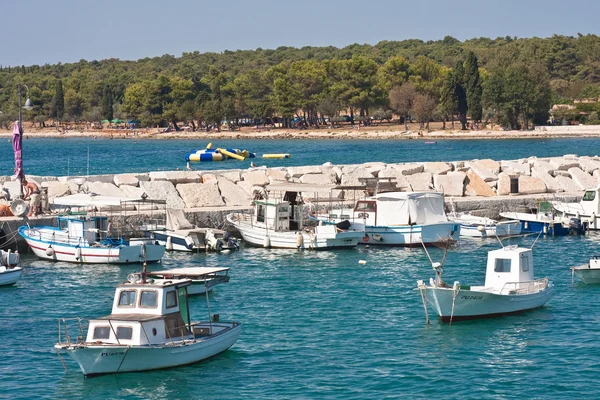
column 590, row 195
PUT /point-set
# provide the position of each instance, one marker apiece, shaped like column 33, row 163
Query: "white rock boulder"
column 163, row 190
column 200, row 194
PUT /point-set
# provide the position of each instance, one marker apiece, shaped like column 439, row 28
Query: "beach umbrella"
column 134, row 121
column 104, row 121
column 117, row 121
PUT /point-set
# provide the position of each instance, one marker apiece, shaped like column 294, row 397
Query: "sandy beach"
column 384, row 131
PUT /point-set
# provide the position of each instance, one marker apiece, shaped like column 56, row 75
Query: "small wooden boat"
column 481, row 227
column 589, row 273
column 509, row 288
column 149, row 328
column 204, row 279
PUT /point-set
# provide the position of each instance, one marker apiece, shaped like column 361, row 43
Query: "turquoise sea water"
column 319, row 325
column 70, row 156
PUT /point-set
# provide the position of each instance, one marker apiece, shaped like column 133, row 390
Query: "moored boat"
column 204, row 279
column 10, row 271
column 481, row 227
column 149, row 328
column 399, row 219
column 87, row 237
column 587, row 210
column 589, row 273
column 281, row 221
column 509, row 288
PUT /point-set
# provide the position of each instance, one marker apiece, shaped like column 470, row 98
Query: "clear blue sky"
column 51, row 31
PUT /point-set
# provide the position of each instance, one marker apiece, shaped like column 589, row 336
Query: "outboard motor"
column 576, row 227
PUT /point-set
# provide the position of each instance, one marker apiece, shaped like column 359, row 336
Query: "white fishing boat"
column 589, row 273
column 178, row 234
column 149, row 328
column 10, row 271
column 88, row 237
column 509, row 288
column 481, row 227
column 204, row 279
column 282, row 221
column 399, row 219
column 587, row 210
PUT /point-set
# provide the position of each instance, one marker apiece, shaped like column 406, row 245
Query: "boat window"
column 171, row 299
column 127, row 298
column 260, row 214
column 590, row 195
column 101, row 332
column 502, row 265
column 525, row 264
column 149, row 298
column 365, row 206
column 124, row 332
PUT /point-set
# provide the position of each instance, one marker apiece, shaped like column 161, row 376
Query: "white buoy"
column 78, row 253
column 50, row 251
column 362, row 262
column 267, row 242
column 169, row 244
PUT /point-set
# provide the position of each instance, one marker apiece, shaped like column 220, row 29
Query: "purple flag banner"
column 16, row 141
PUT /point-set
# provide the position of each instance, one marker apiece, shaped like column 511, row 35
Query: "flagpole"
column 20, row 140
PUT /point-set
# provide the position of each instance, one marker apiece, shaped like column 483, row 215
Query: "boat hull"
column 10, row 276
column 589, row 276
column 501, row 229
column 56, row 251
column 471, row 304
column 179, row 242
column 96, row 360
column 289, row 240
column 410, row 235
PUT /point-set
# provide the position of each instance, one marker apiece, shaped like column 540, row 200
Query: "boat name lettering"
column 120, row 353
column 471, row 297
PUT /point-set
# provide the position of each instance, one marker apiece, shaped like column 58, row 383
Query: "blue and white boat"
column 400, row 219
column 88, row 237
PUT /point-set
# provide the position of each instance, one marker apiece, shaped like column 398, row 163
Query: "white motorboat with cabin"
column 178, row 234
column 545, row 220
column 509, row 288
column 204, row 279
column 589, row 273
column 282, row 221
column 481, row 227
column 149, row 328
column 10, row 270
column 88, row 237
column 399, row 219
column 587, row 210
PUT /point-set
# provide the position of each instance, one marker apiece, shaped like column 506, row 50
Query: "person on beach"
column 32, row 193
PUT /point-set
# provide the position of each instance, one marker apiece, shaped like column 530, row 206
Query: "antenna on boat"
column 498, row 237
column 88, row 161
column 145, row 264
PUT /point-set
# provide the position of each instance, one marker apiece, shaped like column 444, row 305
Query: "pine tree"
column 107, row 103
column 460, row 94
column 58, row 105
column 473, row 87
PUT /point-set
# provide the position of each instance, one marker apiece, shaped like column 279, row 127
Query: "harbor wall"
column 484, row 186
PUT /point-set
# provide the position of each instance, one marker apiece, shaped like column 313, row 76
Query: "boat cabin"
column 89, row 228
column 144, row 313
column 401, row 208
column 509, row 265
column 590, row 203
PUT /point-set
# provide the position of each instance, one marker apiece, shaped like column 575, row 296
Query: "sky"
column 37, row 32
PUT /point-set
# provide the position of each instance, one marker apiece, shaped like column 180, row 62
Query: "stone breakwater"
column 481, row 186
column 483, row 178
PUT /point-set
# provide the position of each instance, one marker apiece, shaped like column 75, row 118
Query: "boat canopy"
column 409, row 208
column 299, row 187
column 176, row 220
column 89, row 200
column 196, row 272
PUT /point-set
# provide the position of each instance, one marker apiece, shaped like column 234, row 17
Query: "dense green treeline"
column 509, row 81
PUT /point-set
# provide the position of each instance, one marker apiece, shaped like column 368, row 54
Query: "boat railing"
column 525, row 287
column 65, row 335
